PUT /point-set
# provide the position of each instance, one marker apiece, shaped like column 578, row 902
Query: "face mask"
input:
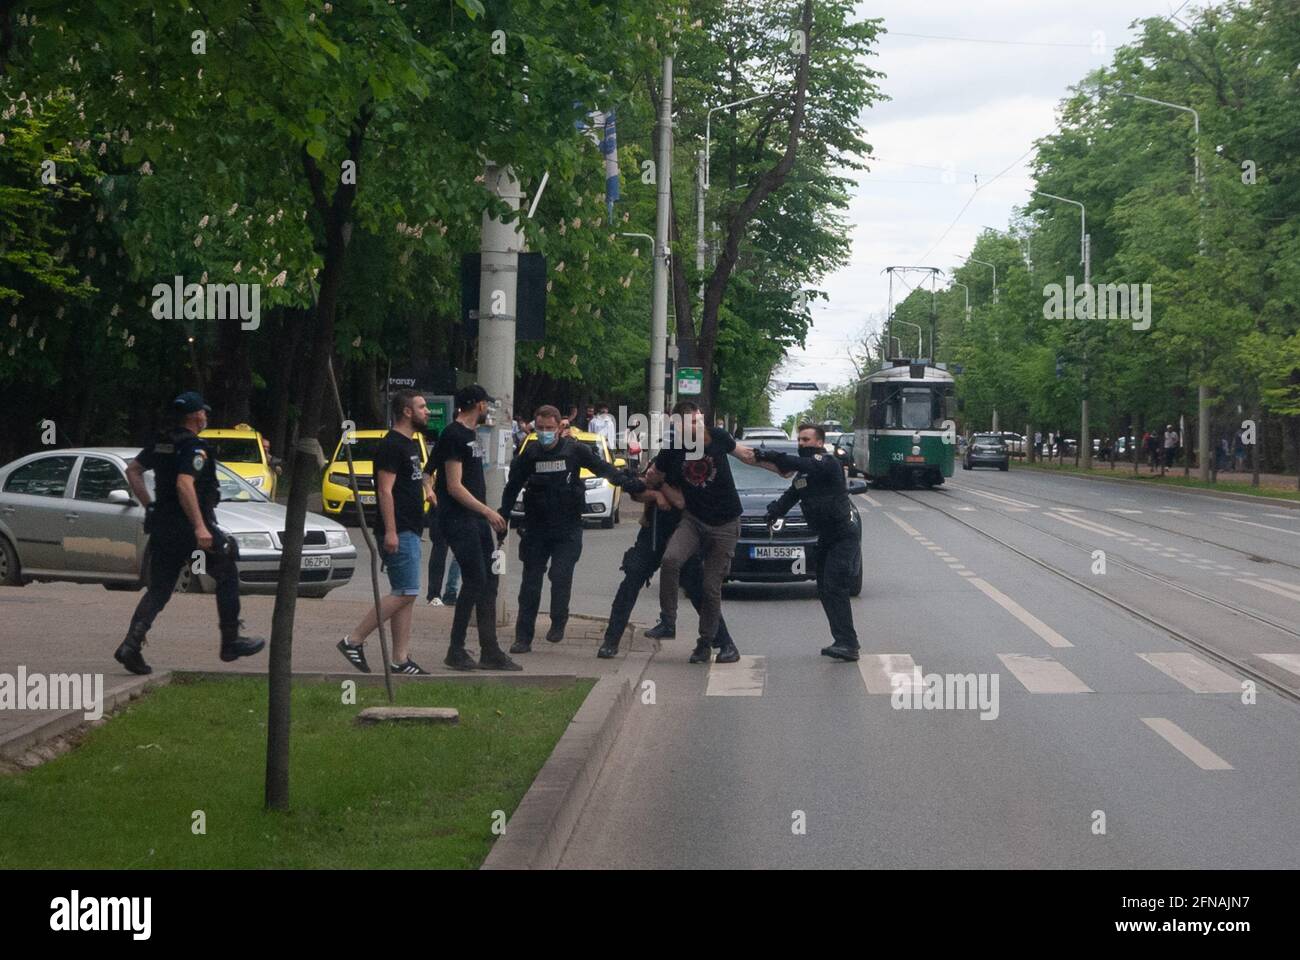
column 809, row 451
column 546, row 437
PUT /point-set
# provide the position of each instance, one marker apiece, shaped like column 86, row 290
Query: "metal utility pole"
column 498, row 304
column 700, row 243
column 993, row 267
column 934, row 273
column 1085, row 254
column 659, row 313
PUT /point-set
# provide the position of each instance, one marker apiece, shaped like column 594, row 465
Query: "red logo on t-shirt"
column 699, row 473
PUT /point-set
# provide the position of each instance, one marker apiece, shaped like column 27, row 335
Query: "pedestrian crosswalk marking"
column 1186, row 744
column 1042, row 674
column 745, row 678
column 879, row 669
column 1287, row 661
column 1193, row 672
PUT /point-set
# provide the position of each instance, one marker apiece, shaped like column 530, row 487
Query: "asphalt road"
column 1142, row 713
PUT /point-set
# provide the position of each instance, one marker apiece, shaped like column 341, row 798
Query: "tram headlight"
column 916, row 450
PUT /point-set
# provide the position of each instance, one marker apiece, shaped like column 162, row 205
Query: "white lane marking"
column 1287, row 661
column 1251, row 523
column 910, row 509
column 964, row 508
column 870, row 499
column 1121, row 510
column 966, row 573
column 1186, row 744
column 1283, row 516
column 1042, row 674
column 879, row 669
column 909, row 530
column 1089, row 525
column 1193, row 672
column 996, row 498
column 1020, row 613
column 745, row 678
column 1170, row 510
column 1017, row 509
column 1272, row 587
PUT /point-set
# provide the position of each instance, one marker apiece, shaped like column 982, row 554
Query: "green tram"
column 903, row 431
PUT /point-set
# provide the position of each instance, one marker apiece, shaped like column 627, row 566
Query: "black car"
column 788, row 552
column 841, row 445
column 987, row 450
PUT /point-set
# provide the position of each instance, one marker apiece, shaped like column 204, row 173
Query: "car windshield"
column 235, row 449
column 991, row 438
column 234, row 489
column 363, row 448
column 756, row 478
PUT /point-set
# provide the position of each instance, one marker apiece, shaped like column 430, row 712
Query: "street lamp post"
column 992, row 267
column 1085, row 254
column 1202, row 389
column 966, row 290
column 920, row 347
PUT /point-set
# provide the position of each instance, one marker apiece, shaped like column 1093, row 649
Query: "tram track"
column 1210, row 650
column 1253, row 557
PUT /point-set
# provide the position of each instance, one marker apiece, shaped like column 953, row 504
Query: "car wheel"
column 1004, row 466
column 607, row 523
column 857, row 582
column 10, row 573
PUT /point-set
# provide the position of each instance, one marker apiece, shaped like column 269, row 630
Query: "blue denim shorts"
column 403, row 567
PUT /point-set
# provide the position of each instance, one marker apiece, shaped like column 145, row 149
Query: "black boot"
column 556, row 633
column 702, row 653
column 459, row 659
column 728, row 653
column 663, row 630
column 521, row 646
column 233, row 646
column 609, row 649
column 492, row 657
column 128, row 653
column 839, row 651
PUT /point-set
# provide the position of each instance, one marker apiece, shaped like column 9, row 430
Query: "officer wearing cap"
column 549, row 472
column 179, row 522
column 819, row 485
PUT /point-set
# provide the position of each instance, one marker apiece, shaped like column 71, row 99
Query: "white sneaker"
column 436, row 602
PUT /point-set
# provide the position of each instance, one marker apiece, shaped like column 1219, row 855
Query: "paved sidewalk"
column 62, row 628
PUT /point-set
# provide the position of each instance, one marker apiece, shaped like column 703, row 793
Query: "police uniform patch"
column 551, row 466
column 819, row 456
column 200, row 458
column 801, row 483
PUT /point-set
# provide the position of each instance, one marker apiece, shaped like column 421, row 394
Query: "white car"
column 763, row 433
column 70, row 515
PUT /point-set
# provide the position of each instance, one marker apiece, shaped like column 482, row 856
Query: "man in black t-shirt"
column 710, row 525
column 468, row 523
column 399, row 525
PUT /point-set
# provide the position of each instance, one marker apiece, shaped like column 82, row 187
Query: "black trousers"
column 171, row 546
column 640, row 562
column 472, row 544
column 560, row 548
column 838, row 563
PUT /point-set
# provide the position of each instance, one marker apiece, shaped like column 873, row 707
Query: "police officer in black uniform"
column 820, row 487
column 664, row 505
column 182, row 520
column 548, row 472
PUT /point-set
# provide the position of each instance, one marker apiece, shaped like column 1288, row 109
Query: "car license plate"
column 368, row 499
column 314, row 563
column 776, row 553
column 914, row 459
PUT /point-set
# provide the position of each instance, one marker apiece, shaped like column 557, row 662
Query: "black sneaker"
column 449, row 599
column 128, row 655
column 702, row 653
column 608, row 650
column 521, row 646
column 728, row 653
column 555, row 634
column 458, row 659
column 662, row 631
column 497, row 661
column 410, row 668
column 234, row 646
column 840, row 652
column 356, row 654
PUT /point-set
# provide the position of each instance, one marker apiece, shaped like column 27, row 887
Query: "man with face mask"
column 820, row 487
column 468, row 523
column 548, row 472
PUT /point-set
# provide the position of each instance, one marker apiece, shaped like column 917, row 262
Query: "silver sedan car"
column 70, row 515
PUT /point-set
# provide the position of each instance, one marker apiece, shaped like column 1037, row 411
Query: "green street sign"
column 690, row 381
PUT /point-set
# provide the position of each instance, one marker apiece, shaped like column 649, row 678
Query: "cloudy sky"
column 958, row 108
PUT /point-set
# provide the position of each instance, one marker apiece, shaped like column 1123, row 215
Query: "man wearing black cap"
column 468, row 523
column 181, row 522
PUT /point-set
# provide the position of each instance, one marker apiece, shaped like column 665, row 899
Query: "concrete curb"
column 1198, row 491
column 539, row 830
column 16, row 743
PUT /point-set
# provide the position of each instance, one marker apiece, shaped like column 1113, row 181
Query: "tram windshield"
column 909, row 407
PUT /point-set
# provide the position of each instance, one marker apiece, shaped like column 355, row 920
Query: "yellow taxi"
column 602, row 497
column 243, row 450
column 335, row 489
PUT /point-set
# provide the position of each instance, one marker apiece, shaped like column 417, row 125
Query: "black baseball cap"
column 466, row 397
column 190, row 402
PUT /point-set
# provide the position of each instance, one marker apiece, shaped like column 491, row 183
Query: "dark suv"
column 987, row 450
